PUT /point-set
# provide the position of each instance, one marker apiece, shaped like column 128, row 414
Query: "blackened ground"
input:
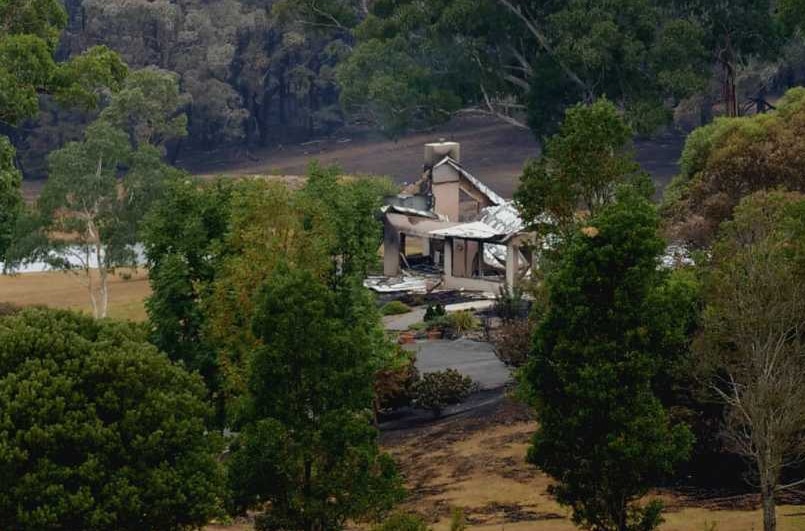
column 492, row 150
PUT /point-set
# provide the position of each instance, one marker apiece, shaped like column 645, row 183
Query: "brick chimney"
column 437, row 151
column 444, row 180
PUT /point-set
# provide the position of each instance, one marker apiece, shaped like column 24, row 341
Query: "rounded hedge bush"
column 395, row 308
column 437, row 390
column 98, row 430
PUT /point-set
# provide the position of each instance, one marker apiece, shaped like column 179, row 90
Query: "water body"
column 39, row 266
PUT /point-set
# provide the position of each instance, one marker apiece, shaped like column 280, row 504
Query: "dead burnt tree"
column 754, row 341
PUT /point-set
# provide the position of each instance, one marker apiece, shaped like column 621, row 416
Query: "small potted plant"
column 407, row 337
column 435, row 333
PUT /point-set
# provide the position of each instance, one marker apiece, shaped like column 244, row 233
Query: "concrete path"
column 399, row 323
column 471, row 358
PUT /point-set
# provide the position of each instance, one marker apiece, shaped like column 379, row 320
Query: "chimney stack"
column 437, row 151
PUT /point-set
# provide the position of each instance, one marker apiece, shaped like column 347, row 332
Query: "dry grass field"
column 477, row 464
column 127, row 291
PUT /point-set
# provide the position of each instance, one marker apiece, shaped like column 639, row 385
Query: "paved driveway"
column 471, row 358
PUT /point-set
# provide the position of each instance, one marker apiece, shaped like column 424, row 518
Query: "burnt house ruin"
column 451, row 224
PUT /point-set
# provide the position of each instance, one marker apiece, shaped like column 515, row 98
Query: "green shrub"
column 403, row 522
column 463, row 321
column 100, row 430
column 434, row 312
column 395, row 308
column 437, row 323
column 437, row 390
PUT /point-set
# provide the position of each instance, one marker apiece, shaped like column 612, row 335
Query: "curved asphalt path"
column 471, row 358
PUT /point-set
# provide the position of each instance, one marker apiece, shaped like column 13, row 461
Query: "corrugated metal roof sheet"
column 476, row 230
column 484, row 189
column 504, row 218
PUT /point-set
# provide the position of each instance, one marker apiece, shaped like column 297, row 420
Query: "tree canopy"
column 29, row 36
column 28, row 43
column 580, row 169
column 90, row 217
column 309, row 448
column 516, row 54
column 99, row 430
column 10, row 195
column 255, row 74
column 149, row 107
column 731, row 158
column 752, row 347
column 183, row 235
column 603, row 433
column 209, row 245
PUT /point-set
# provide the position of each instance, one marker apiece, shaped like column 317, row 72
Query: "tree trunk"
column 283, row 118
column 706, row 110
column 103, row 274
column 769, row 509
column 176, row 151
column 376, row 411
column 730, row 91
column 309, row 522
column 623, row 520
column 91, row 288
column 729, row 88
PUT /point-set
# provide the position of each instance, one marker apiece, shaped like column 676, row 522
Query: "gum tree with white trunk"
column 97, row 193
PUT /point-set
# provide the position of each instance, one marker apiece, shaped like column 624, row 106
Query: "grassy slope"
column 477, row 464
column 492, row 150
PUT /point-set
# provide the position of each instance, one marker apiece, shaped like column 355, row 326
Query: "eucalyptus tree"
column 149, row 107
column 90, row 218
column 537, row 57
column 29, row 36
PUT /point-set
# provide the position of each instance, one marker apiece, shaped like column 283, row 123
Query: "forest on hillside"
column 257, row 73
